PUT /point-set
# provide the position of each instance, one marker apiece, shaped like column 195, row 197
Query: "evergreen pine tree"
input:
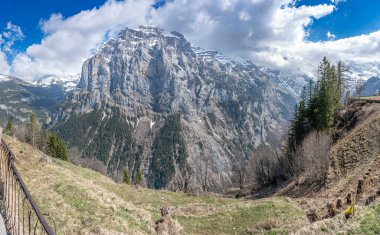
column 316, row 109
column 9, row 127
column 341, row 70
column 57, row 147
column 139, row 176
column 127, row 178
column 327, row 98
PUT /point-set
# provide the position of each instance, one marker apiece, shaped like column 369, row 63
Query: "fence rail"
column 19, row 210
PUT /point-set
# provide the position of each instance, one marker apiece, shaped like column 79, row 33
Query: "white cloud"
column 330, row 35
column 338, row 1
column 10, row 34
column 274, row 35
column 4, row 67
column 244, row 16
column 271, row 33
column 68, row 41
column 272, row 28
column 13, row 31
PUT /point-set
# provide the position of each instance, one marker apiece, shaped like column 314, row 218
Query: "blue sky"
column 27, row 14
column 55, row 36
column 353, row 17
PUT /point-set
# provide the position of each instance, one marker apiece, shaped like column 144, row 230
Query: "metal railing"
column 19, row 210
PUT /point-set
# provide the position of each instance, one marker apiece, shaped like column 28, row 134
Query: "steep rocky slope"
column 292, row 82
column 150, row 101
column 354, row 169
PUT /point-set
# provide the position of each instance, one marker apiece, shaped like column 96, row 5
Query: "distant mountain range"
column 19, row 98
column 68, row 83
column 371, row 87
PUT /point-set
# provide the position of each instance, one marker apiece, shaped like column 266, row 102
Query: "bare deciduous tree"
column 202, row 168
column 313, row 157
column 240, row 169
column 20, row 131
column 264, row 166
column 183, row 181
column 204, row 175
column 34, row 128
column 359, row 86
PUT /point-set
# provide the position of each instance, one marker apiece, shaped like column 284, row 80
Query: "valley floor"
column 82, row 201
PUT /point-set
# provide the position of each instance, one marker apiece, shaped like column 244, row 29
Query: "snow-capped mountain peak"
column 67, row 82
column 210, row 55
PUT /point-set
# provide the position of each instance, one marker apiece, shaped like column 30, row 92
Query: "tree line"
column 319, row 102
column 33, row 133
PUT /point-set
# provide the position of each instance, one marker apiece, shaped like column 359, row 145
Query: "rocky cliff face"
column 187, row 115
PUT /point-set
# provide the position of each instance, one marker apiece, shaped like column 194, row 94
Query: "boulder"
column 46, row 159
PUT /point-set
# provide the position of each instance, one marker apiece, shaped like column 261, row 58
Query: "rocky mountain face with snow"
column 68, row 83
column 371, row 87
column 18, row 99
column 360, row 73
column 292, row 82
column 149, row 103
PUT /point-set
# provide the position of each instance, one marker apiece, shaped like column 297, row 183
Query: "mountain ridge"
column 20, row 98
column 149, row 76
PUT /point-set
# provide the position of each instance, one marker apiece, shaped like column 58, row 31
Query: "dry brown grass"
column 82, row 201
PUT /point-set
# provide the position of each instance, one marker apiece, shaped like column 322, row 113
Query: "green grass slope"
column 82, row 201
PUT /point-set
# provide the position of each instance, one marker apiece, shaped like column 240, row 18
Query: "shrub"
column 127, row 178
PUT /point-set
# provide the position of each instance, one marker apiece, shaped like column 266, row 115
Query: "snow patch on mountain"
column 4, row 78
column 292, row 82
column 151, row 30
column 67, row 82
column 360, row 72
